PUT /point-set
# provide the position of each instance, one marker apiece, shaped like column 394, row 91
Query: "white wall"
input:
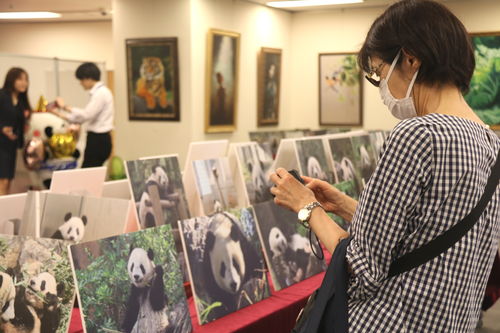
column 89, row 41
column 151, row 18
column 344, row 31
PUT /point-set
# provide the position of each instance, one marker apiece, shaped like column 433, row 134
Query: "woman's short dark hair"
column 88, row 70
column 429, row 31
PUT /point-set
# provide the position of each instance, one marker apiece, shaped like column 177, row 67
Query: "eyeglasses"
column 374, row 76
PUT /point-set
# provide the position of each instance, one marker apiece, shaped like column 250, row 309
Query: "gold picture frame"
column 268, row 86
column 221, row 95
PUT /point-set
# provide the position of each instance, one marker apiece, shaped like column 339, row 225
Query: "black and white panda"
column 345, row 170
column 7, row 297
column 72, row 229
column 37, row 306
column 159, row 179
column 279, row 250
column 229, row 260
column 314, row 169
column 146, row 309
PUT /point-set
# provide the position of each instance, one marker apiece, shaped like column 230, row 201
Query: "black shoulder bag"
column 326, row 309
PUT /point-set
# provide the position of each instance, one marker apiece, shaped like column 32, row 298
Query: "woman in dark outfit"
column 13, row 105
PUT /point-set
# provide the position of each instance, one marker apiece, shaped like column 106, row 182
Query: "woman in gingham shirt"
column 432, row 172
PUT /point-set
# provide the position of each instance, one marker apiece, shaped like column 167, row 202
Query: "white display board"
column 116, row 189
column 88, row 181
column 202, row 150
column 11, row 212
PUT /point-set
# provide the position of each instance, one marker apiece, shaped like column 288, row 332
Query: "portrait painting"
column 221, row 81
column 269, row 82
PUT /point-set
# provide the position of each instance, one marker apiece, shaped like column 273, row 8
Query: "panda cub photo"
column 72, row 229
column 225, row 262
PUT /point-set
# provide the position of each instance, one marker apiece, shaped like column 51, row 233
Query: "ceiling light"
column 310, row 3
column 27, row 15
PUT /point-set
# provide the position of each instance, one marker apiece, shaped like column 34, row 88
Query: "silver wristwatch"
column 305, row 213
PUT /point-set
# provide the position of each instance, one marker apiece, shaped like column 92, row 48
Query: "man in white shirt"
column 98, row 113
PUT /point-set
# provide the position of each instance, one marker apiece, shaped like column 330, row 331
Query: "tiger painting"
column 151, row 85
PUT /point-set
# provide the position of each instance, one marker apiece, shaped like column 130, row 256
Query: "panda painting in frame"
column 225, row 262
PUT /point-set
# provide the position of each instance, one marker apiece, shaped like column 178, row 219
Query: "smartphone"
column 296, row 175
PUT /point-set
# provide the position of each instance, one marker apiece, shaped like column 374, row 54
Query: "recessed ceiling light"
column 27, row 15
column 310, row 3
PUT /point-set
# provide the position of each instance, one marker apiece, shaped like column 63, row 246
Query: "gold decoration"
column 62, row 145
column 42, row 104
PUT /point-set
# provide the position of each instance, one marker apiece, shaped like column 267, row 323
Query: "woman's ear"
column 410, row 63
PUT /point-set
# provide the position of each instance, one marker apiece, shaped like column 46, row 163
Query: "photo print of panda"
column 345, row 165
column 131, row 283
column 37, row 289
column 225, row 262
column 159, row 195
column 313, row 159
column 287, row 248
column 75, row 218
column 269, row 141
column 158, row 192
column 255, row 165
column 364, row 156
column 215, row 185
column 377, row 140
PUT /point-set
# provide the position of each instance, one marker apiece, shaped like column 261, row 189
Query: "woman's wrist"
column 346, row 207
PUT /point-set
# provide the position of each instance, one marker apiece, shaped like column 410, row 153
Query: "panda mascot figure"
column 158, row 179
column 73, row 228
column 7, row 297
column 37, row 306
column 146, row 309
column 230, row 263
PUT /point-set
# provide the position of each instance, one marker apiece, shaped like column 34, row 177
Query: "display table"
column 275, row 314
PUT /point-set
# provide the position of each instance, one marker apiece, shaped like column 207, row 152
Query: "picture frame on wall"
column 269, row 84
column 484, row 95
column 340, row 90
column 153, row 79
column 222, row 68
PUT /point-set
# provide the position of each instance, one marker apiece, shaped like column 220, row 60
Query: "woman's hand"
column 328, row 196
column 60, row 103
column 289, row 192
column 8, row 131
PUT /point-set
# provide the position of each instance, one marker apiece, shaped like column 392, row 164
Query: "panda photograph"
column 345, row 167
column 365, row 156
column 313, row 161
column 74, row 218
column 36, row 285
column 287, row 248
column 131, row 283
column 255, row 164
column 225, row 262
column 214, row 181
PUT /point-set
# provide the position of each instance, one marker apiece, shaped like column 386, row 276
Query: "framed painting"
column 153, row 79
column 269, row 83
column 484, row 93
column 221, row 81
column 340, row 90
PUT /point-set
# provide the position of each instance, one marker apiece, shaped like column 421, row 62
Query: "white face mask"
column 400, row 108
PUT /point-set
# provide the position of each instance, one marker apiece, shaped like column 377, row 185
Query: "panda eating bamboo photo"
column 37, row 306
column 7, row 296
column 226, row 266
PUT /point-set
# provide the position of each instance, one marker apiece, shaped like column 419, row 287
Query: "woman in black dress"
column 14, row 104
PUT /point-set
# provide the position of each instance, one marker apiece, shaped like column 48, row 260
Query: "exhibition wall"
column 300, row 35
column 91, row 41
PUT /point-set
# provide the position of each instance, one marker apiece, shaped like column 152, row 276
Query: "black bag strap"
column 446, row 240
